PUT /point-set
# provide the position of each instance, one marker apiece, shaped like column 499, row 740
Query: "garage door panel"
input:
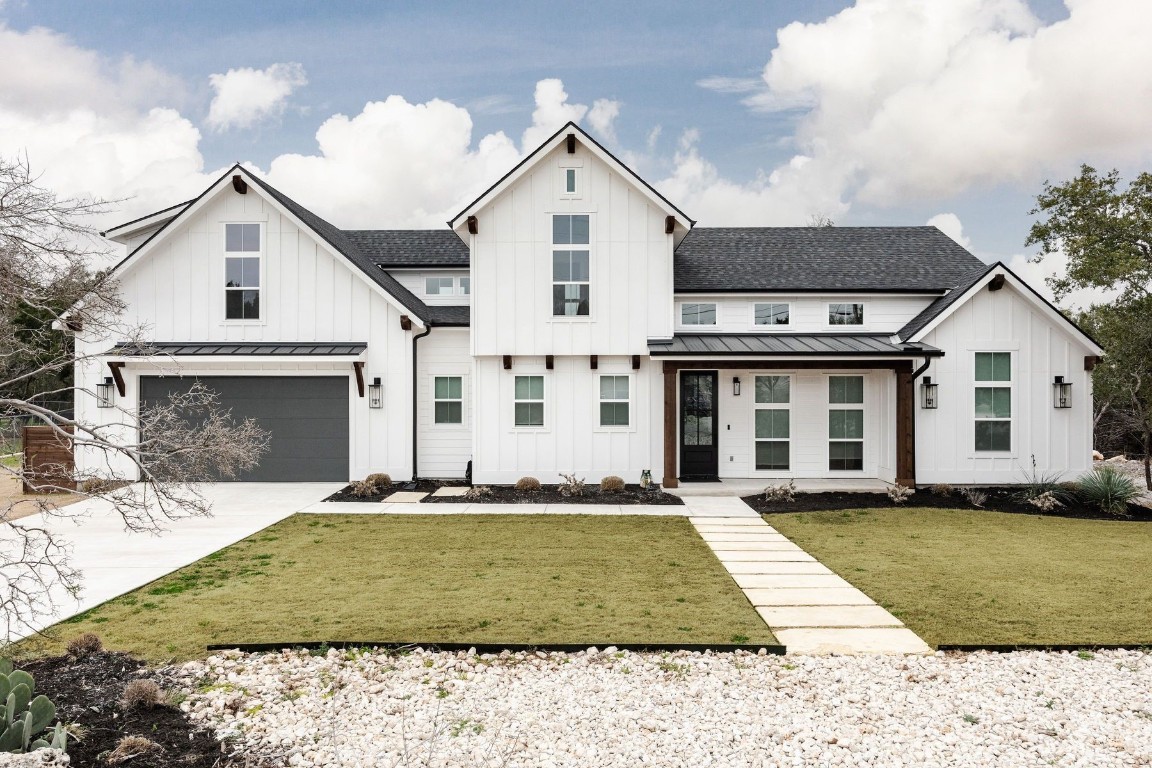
column 306, row 417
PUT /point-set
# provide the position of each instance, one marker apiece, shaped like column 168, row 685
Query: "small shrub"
column 527, row 484
column 84, row 645
column 97, row 486
column 571, row 486
column 1046, row 502
column 131, row 747
column 362, row 489
column 974, row 496
column 612, row 484
column 379, row 480
column 783, row 492
column 942, row 489
column 1109, row 489
column 141, row 694
column 899, row 494
column 477, row 492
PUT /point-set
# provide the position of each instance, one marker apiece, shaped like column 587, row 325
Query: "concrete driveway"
column 113, row 561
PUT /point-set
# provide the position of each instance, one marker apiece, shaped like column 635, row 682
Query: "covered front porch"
column 829, row 411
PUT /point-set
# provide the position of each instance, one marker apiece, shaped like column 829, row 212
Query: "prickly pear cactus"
column 23, row 718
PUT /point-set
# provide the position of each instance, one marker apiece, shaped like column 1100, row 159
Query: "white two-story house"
column 572, row 319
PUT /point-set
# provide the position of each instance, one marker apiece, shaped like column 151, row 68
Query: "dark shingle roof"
column 933, row 310
column 392, row 248
column 882, row 259
column 132, row 349
column 787, row 344
column 457, row 316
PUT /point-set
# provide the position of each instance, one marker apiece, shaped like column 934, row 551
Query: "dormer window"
column 242, row 249
column 846, row 314
column 697, row 314
column 570, row 265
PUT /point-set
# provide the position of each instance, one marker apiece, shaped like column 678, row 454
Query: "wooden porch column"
column 670, row 373
column 905, row 429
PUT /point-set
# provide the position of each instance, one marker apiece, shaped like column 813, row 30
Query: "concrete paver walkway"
column 808, row 607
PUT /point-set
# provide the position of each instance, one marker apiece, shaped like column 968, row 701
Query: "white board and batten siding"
column 444, row 449
column 808, row 313
column 1060, row 439
column 307, row 294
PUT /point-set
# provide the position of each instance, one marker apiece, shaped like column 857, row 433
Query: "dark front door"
column 699, row 459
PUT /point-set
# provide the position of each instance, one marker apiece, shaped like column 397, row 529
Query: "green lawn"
column 467, row 578
column 957, row 576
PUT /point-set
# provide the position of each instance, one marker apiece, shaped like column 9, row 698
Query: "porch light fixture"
column 105, row 393
column 928, row 394
column 376, row 394
column 1061, row 393
column 736, row 386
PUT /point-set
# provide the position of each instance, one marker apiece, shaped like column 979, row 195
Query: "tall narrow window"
column 570, row 181
column 773, row 422
column 448, row 399
column 698, row 314
column 993, row 401
column 845, row 422
column 570, row 274
column 465, row 286
column 845, row 314
column 242, row 271
column 773, row 314
column 614, row 401
column 529, row 401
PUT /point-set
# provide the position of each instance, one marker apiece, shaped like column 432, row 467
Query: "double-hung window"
column 993, row 401
column 448, row 399
column 772, row 314
column 242, row 271
column 845, row 422
column 570, row 267
column 846, row 314
column 697, row 314
column 529, row 403
column 615, row 401
column 773, row 422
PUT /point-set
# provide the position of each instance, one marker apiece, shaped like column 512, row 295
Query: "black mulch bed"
column 549, row 494
column 999, row 500
column 86, row 693
column 424, row 486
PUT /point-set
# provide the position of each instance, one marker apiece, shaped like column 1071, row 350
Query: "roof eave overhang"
column 187, row 359
column 736, row 356
column 862, row 291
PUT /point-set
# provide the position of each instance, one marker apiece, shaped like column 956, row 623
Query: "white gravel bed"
column 604, row 709
column 1134, row 469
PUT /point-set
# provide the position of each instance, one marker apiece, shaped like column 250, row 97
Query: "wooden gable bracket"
column 507, row 362
column 1091, row 361
column 117, row 376
column 405, row 323
column 549, row 362
column 571, row 143
column 996, row 283
column 594, row 361
column 358, row 366
column 669, row 224
column 239, row 184
column 473, row 225
column 635, row 362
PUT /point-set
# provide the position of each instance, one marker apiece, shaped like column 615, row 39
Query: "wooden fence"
column 48, row 460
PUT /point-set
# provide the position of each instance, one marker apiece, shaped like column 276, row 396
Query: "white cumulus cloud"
column 949, row 224
column 246, row 96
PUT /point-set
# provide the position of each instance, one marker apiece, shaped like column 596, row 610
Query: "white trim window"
column 571, row 176
column 845, row 423
column 448, row 399
column 447, row 286
column 846, row 313
column 773, row 422
column 571, row 275
column 614, row 406
column 993, row 401
column 772, row 314
column 465, row 286
column 529, row 401
column 697, row 314
column 242, row 256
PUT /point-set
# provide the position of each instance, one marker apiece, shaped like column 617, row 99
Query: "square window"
column 993, row 366
column 772, row 314
column 773, row 423
column 242, row 238
column 613, row 414
column 529, row 414
column 993, row 435
column 773, row 389
column 993, row 402
column 570, row 299
column 772, row 455
column 242, row 305
column 845, row 314
column 698, row 314
column 846, row 456
column 845, row 389
column 845, row 425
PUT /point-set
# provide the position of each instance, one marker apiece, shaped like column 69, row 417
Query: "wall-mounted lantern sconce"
column 928, row 393
column 1061, row 393
column 376, row 394
column 105, row 392
column 736, row 386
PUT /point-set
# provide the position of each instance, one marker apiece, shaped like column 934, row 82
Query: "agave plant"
column 23, row 719
column 1109, row 489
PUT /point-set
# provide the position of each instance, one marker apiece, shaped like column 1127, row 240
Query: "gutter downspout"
column 415, row 401
column 916, row 373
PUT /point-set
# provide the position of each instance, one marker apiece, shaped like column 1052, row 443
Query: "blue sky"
column 839, row 126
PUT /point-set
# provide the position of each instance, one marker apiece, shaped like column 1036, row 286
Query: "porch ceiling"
column 789, row 344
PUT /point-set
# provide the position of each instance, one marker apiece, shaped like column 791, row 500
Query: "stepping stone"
column 768, row 598
column 875, row 640
column 754, row 522
column 451, row 490
column 789, row 581
column 739, row 534
column 727, row 551
column 405, row 497
column 743, row 566
column 788, row 617
column 792, row 568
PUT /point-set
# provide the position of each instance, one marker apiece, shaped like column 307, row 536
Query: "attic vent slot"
column 239, row 184
column 571, row 143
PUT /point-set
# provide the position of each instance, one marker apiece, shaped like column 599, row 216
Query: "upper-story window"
column 846, row 314
column 569, row 181
column 697, row 314
column 242, row 249
column 570, row 271
column 773, row 314
column 447, row 286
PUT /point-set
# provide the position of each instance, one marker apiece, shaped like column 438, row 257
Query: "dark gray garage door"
column 306, row 416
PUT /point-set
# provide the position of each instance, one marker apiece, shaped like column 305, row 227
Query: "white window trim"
column 1012, row 404
column 547, row 425
column 552, row 283
column 828, row 312
column 776, row 407
column 762, row 328
column 261, row 255
column 575, row 164
column 596, row 425
column 680, row 314
column 462, row 400
column 862, row 406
